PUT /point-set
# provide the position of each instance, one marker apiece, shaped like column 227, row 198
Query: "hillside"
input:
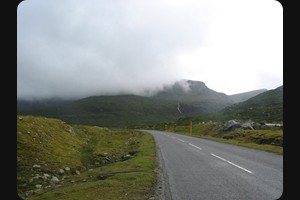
column 109, row 111
column 265, row 107
column 58, row 161
column 184, row 98
column 194, row 97
column 237, row 98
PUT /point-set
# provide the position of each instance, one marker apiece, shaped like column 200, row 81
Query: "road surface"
column 195, row 169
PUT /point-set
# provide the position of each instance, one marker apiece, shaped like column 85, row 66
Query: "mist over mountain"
column 184, row 98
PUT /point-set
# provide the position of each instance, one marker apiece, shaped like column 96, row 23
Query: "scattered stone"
column 36, row 166
column 37, row 190
column 54, row 179
column 126, row 157
column 48, row 186
column 61, row 171
column 67, row 168
column 46, row 176
column 38, row 186
column 29, row 192
column 37, row 176
column 77, row 172
column 71, row 130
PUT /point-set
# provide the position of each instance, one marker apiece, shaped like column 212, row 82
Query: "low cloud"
column 76, row 48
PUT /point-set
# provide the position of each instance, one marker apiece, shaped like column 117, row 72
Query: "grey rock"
column 67, row 168
column 38, row 186
column 61, row 171
column 247, row 126
column 257, row 125
column 54, row 179
column 36, row 166
column 77, row 172
column 231, row 125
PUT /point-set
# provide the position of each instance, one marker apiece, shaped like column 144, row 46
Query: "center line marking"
column 195, row 146
column 231, row 163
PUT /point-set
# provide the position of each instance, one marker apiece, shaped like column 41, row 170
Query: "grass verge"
column 270, row 140
column 97, row 151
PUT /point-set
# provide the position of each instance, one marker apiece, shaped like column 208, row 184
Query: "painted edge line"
column 231, row 163
column 195, row 146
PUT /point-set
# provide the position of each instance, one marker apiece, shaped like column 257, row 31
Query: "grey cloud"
column 73, row 49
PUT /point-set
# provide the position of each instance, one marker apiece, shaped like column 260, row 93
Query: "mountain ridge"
column 182, row 99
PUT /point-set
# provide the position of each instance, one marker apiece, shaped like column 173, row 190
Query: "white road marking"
column 181, row 140
column 195, row 146
column 231, row 163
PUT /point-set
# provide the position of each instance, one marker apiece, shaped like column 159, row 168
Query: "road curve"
column 197, row 169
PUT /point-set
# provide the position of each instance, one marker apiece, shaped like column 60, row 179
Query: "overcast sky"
column 79, row 48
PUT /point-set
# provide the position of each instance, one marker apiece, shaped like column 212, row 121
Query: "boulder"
column 247, row 126
column 257, row 125
column 231, row 125
column 54, row 179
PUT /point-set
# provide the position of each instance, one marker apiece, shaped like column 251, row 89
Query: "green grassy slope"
column 110, row 111
column 265, row 107
column 47, row 146
column 237, row 98
column 120, row 111
column 132, row 110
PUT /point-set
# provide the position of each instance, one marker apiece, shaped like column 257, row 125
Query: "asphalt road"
column 195, row 169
